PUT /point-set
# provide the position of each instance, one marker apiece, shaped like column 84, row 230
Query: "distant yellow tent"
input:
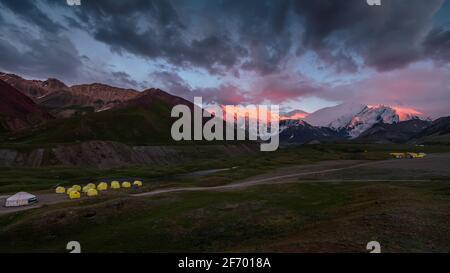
column 126, row 184
column 415, row 155
column 137, row 183
column 115, row 185
column 91, row 185
column 398, row 155
column 69, row 190
column 77, row 187
column 102, row 186
column 85, row 189
column 92, row 192
column 74, row 195
column 408, row 155
column 60, row 190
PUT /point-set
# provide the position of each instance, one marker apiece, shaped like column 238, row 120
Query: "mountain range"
column 51, row 112
column 354, row 119
column 363, row 123
column 64, row 101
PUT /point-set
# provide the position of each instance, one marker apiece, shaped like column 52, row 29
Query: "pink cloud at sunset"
column 297, row 115
column 420, row 90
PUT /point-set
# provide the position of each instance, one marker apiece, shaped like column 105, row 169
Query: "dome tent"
column 126, row 184
column 88, row 187
column 74, row 195
column 20, row 199
column 85, row 189
column 60, row 190
column 92, row 192
column 102, row 186
column 115, row 185
column 69, row 190
column 77, row 187
column 137, row 183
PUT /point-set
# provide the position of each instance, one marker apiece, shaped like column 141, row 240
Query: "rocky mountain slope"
column 437, row 133
column 400, row 132
column 300, row 132
column 18, row 111
column 64, row 101
column 108, row 154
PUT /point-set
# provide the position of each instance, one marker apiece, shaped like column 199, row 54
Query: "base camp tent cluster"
column 74, row 192
column 408, row 155
column 91, row 189
column 20, row 199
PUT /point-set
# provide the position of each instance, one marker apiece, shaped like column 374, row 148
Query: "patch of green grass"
column 203, row 158
column 289, row 217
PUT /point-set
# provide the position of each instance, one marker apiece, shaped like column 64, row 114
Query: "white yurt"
column 20, row 199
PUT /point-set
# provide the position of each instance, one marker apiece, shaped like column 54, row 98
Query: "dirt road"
column 289, row 175
column 277, row 179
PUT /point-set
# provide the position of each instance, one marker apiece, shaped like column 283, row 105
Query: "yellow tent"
column 86, row 188
column 398, row 155
column 74, row 195
column 60, row 190
column 69, row 190
column 421, row 155
column 115, row 185
column 77, row 187
column 92, row 192
column 416, row 155
column 102, row 186
column 91, row 185
column 126, row 184
column 137, row 183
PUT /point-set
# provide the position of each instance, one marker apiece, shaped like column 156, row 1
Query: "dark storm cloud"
column 40, row 53
column 124, row 78
column 219, row 37
column 274, row 88
column 29, row 11
column 263, row 27
column 223, row 94
column 386, row 37
column 437, row 45
column 152, row 29
column 45, row 56
column 223, row 37
column 173, row 82
column 259, row 35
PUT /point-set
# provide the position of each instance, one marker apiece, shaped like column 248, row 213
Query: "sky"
column 300, row 54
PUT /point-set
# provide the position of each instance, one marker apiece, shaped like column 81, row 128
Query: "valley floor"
column 336, row 205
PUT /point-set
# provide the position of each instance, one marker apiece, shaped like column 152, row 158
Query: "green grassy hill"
column 143, row 120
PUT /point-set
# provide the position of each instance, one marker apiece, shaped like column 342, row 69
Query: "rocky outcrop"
column 107, row 155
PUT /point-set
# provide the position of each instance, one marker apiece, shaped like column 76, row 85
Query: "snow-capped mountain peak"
column 356, row 119
column 336, row 116
column 368, row 117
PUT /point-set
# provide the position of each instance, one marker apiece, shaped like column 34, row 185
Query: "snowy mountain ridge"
column 371, row 115
column 357, row 118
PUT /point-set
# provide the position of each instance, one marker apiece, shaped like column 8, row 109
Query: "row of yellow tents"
column 408, row 155
column 91, row 189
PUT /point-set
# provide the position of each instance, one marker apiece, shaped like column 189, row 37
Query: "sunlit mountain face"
column 302, row 55
column 403, row 112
